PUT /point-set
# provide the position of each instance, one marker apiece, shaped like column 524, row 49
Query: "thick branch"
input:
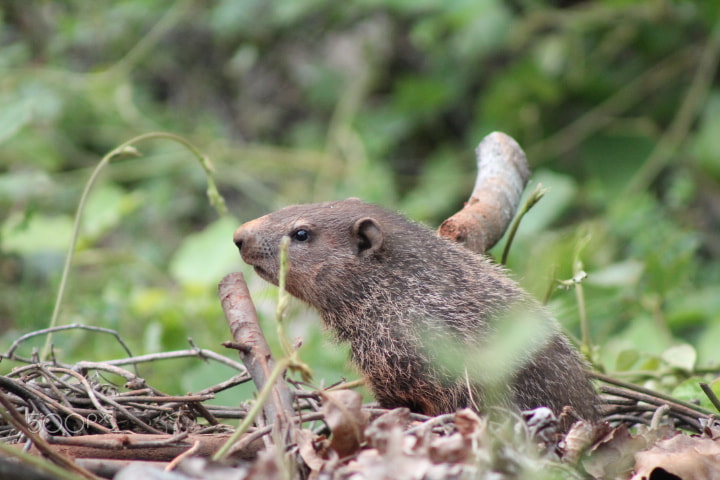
column 254, row 350
column 503, row 172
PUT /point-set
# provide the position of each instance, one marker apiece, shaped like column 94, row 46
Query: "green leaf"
column 562, row 190
column 681, row 356
column 38, row 233
column 621, row 274
column 707, row 141
column 13, row 116
column 696, row 307
column 707, row 345
column 626, row 359
column 205, row 257
column 644, row 333
column 689, row 390
column 715, row 387
column 107, row 205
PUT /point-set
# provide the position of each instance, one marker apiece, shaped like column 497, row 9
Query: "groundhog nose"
column 239, row 237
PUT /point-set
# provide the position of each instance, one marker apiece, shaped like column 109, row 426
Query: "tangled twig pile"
column 67, row 412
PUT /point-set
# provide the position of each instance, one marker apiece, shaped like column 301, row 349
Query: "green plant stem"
column 602, row 115
column 280, row 367
column 578, row 276
column 296, row 364
column 123, row 149
column 681, row 124
column 283, row 298
column 534, row 197
column 149, row 41
column 38, row 462
column 582, row 312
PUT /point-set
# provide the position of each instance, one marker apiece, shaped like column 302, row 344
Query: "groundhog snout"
column 245, row 234
column 239, row 237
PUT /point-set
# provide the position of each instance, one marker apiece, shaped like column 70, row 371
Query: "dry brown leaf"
column 458, row 448
column 395, row 465
column 686, row 457
column 468, row 422
column 266, row 466
column 453, row 449
column 612, row 453
column 582, row 436
column 315, row 452
column 346, row 419
column 386, row 432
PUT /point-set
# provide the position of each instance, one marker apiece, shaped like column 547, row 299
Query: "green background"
column 616, row 103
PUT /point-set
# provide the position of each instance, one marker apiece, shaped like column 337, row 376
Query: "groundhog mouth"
column 264, row 274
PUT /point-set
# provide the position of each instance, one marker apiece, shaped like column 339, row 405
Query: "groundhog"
column 420, row 313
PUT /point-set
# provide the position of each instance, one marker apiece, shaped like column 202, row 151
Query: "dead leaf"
column 315, row 452
column 612, row 455
column 686, row 457
column 581, row 436
column 468, row 422
column 386, row 432
column 266, row 466
column 396, row 463
column 346, row 419
column 453, row 449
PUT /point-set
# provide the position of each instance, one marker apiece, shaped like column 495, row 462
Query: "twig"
column 711, row 395
column 229, row 383
column 127, row 414
column 696, row 409
column 688, row 413
column 200, row 410
column 176, row 461
column 88, row 389
column 47, row 331
column 260, row 404
column 255, row 354
column 170, row 399
column 114, row 443
column 25, row 391
column 660, row 412
column 199, row 353
column 11, row 415
column 37, row 462
column 433, row 422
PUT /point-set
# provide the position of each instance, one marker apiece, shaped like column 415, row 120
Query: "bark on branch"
column 503, row 172
column 254, row 350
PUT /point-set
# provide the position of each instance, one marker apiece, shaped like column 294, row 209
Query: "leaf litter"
column 335, row 436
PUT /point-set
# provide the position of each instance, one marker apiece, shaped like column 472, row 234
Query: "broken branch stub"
column 503, row 172
column 254, row 350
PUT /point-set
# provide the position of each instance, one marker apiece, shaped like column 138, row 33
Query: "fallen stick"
column 144, row 446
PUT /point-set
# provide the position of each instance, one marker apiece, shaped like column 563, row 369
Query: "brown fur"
column 414, row 307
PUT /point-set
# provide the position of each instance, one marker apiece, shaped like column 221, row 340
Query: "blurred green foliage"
column 617, row 104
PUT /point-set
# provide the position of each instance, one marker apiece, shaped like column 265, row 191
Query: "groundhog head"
column 326, row 242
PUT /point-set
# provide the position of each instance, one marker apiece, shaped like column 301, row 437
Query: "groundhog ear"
column 368, row 236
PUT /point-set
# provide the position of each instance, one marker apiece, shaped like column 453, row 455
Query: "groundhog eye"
column 301, row 235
